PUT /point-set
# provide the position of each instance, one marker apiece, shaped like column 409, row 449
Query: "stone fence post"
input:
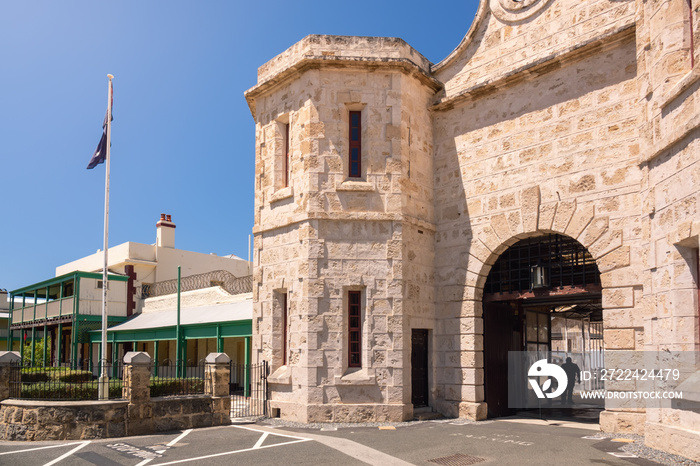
column 136, row 390
column 7, row 359
column 217, row 375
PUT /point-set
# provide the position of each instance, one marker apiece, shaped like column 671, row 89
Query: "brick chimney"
column 165, row 232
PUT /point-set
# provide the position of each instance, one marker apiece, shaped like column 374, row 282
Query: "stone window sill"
column 281, row 194
column 349, row 185
column 685, row 82
column 357, row 376
column 283, row 375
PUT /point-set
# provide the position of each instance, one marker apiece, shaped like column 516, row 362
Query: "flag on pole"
column 101, row 152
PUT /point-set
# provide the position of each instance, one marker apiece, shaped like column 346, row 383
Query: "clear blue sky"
column 182, row 137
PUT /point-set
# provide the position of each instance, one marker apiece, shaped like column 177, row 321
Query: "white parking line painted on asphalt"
column 174, row 441
column 258, row 446
column 66, row 455
column 232, row 452
column 265, row 429
column 168, row 445
column 261, row 440
column 39, row 448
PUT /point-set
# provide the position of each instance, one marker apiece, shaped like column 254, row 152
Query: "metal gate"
column 248, row 389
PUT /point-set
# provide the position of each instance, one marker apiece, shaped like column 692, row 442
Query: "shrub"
column 174, row 386
column 59, row 391
column 68, row 391
column 38, row 351
column 33, row 375
column 74, row 376
column 115, row 389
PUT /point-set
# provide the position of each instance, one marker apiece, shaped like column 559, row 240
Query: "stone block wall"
column 554, row 154
column 508, row 36
column 36, row 420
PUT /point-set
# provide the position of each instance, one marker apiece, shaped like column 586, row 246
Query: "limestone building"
column 415, row 221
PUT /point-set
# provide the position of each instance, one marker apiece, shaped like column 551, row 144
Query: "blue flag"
column 100, row 154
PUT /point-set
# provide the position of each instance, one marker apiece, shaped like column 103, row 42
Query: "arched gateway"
column 542, row 295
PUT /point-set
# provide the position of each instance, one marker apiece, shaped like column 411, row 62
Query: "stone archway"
column 542, row 295
column 462, row 378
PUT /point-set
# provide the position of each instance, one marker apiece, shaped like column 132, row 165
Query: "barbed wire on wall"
column 222, row 278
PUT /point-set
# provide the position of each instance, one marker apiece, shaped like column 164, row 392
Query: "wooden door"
column 419, row 367
column 502, row 333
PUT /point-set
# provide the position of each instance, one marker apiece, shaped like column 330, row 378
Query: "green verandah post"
column 43, row 358
column 31, row 358
column 10, row 335
column 115, row 356
column 155, row 358
column 246, row 376
column 59, row 356
column 178, row 348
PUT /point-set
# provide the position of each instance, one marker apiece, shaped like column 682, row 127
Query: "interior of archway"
column 543, row 295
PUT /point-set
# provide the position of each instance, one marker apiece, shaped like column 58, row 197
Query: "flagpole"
column 104, row 378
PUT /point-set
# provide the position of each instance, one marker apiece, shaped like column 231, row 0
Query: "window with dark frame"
column 354, row 329
column 286, row 154
column 285, row 335
column 355, row 136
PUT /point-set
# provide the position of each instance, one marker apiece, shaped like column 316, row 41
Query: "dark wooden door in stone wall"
column 419, row 367
column 502, row 333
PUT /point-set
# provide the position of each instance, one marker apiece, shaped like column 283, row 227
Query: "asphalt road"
column 425, row 443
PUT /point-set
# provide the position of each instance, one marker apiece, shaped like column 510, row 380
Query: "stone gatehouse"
column 390, row 193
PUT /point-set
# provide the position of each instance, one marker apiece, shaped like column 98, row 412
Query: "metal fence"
column 172, row 378
column 248, row 389
column 247, row 384
column 82, row 383
column 62, row 383
column 222, row 278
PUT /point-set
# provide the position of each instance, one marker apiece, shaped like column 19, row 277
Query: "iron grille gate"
column 248, row 390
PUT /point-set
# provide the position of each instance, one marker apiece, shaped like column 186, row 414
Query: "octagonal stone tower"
column 344, row 226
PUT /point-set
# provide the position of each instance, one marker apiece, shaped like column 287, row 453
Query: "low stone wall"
column 136, row 414
column 80, row 420
column 178, row 413
column 62, row 420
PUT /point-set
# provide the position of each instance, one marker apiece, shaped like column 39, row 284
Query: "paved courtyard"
column 447, row 442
